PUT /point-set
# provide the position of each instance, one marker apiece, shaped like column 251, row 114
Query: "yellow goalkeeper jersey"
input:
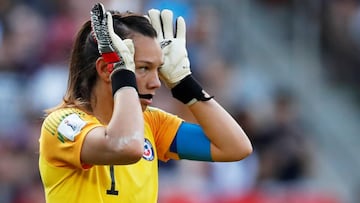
column 66, row 179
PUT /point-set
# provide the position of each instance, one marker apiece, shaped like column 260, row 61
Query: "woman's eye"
column 143, row 68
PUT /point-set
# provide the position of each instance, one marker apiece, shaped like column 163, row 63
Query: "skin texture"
column 122, row 141
column 147, row 66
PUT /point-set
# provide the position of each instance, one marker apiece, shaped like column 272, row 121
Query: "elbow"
column 236, row 152
column 134, row 152
column 244, row 146
column 245, row 149
column 129, row 150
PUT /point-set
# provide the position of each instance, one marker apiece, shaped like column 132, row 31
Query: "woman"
column 103, row 143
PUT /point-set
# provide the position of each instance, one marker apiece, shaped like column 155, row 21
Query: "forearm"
column 127, row 120
column 121, row 141
column 228, row 141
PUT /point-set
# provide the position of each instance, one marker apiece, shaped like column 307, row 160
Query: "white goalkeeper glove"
column 176, row 71
column 118, row 53
column 176, row 62
column 112, row 48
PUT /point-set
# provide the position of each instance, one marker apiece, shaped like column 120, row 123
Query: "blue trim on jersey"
column 191, row 143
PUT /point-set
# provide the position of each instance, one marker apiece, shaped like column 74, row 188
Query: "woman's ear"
column 102, row 69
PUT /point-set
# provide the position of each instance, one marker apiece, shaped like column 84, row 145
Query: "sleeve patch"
column 71, row 126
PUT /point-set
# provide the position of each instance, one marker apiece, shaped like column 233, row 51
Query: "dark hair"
column 82, row 71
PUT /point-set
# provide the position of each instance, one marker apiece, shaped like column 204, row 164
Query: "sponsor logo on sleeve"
column 71, row 126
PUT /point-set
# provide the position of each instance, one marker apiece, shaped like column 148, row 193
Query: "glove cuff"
column 188, row 91
column 122, row 78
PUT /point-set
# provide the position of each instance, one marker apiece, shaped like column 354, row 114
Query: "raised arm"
column 121, row 140
column 227, row 140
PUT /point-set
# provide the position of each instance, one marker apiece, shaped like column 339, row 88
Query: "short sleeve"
column 164, row 127
column 62, row 136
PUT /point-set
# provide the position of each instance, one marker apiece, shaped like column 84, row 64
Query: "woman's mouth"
column 145, row 96
column 146, row 99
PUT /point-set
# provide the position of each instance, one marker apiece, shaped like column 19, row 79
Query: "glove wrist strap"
column 188, row 91
column 122, row 78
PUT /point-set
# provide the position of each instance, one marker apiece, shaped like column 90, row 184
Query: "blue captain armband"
column 191, row 143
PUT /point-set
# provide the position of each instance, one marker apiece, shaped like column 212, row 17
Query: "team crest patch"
column 71, row 126
column 148, row 150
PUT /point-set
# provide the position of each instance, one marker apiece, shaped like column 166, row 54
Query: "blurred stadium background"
column 287, row 70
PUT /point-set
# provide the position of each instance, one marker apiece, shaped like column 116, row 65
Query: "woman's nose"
column 155, row 80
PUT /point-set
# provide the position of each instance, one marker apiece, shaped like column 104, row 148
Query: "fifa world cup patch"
column 148, row 150
column 71, row 126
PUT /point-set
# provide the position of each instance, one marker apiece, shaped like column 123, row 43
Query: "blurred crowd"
column 340, row 23
column 35, row 41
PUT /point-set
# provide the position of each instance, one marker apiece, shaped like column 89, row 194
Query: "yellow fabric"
column 66, row 179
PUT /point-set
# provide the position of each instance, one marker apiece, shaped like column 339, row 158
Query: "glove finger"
column 180, row 28
column 167, row 20
column 130, row 45
column 110, row 25
column 155, row 20
column 97, row 15
column 98, row 11
column 148, row 18
column 118, row 43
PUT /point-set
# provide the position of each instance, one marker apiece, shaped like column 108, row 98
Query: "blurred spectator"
column 60, row 33
column 340, row 27
column 283, row 146
column 22, row 40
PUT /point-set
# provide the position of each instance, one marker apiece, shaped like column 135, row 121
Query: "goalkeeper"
column 102, row 143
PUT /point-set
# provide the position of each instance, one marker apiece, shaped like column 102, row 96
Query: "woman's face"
column 148, row 59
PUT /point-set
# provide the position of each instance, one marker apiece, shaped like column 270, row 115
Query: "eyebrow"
column 148, row 62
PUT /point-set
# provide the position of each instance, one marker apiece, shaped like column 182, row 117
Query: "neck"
column 102, row 103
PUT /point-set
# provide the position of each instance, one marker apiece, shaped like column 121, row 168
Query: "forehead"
column 147, row 48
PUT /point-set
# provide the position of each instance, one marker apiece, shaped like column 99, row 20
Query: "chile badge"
column 148, row 150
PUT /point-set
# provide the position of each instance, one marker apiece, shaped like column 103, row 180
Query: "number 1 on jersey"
column 112, row 190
